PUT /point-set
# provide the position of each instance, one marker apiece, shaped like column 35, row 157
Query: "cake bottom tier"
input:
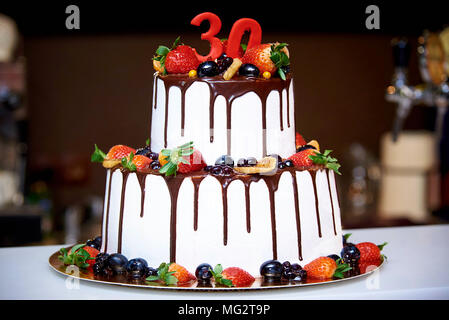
column 235, row 221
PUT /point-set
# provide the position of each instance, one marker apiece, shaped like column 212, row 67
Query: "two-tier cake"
column 224, row 178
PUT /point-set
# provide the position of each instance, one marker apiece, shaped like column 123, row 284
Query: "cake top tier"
column 227, row 57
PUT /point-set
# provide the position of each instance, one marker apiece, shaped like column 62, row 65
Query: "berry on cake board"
column 323, row 268
column 232, row 276
column 80, row 255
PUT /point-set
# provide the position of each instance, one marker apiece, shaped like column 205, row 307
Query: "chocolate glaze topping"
column 230, row 90
column 174, row 184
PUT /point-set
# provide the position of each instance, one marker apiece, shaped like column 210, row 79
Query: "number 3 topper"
column 235, row 36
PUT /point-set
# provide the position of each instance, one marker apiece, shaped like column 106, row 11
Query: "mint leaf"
column 381, row 246
column 128, row 163
column 98, row 155
column 147, row 142
column 162, row 50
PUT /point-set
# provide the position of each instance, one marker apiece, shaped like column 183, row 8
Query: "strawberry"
column 182, row 59
column 196, row 163
column 321, row 268
column 181, row 273
column 369, row 251
column 367, row 266
column 260, row 57
column 268, row 57
column 80, row 255
column 177, row 59
column 183, row 159
column 299, row 140
column 119, row 151
column 325, row 268
column 136, row 162
column 238, row 277
column 224, row 43
column 302, row 159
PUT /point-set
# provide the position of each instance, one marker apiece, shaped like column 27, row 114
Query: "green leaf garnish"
column 341, row 269
column 346, row 236
column 78, row 256
column 147, row 142
column 381, row 246
column 98, row 155
column 175, row 157
column 128, row 163
column 163, row 275
column 326, row 160
column 279, row 58
column 218, row 276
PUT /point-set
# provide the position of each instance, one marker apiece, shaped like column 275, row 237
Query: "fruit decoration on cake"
column 224, row 173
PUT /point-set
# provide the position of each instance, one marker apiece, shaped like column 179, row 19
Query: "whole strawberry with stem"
column 370, row 251
column 80, row 255
column 177, row 59
column 232, row 276
column 136, row 162
column 268, row 57
column 323, row 268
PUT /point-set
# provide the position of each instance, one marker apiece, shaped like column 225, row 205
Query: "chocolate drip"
column 173, row 184
column 122, row 206
column 155, row 93
column 313, row 174
column 332, row 202
column 273, row 184
column 230, row 90
column 298, row 219
column 141, row 178
column 107, row 212
column 281, row 116
column 288, row 108
column 248, row 206
column 196, row 186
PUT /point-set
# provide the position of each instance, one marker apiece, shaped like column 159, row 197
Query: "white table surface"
column 417, row 268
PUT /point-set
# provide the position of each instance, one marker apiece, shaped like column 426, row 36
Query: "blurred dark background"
column 94, row 86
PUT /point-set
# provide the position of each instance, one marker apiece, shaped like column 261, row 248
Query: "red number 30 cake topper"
column 235, row 36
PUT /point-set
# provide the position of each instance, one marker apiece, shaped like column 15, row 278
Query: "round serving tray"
column 259, row 284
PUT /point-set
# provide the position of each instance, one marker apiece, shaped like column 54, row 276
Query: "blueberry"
column 153, row 155
column 271, row 269
column 350, row 254
column 203, row 272
column 286, row 266
column 145, row 151
column 295, row 267
column 301, row 275
column 281, row 165
column 98, row 268
column 252, row 161
column 221, row 57
column 288, row 163
column 333, row 256
column 151, row 272
column 288, row 275
column 225, row 160
column 102, row 258
column 242, row 162
column 207, row 168
column 155, row 165
column 249, row 70
column 227, row 171
column 216, row 170
column 208, row 69
column 224, row 63
column 93, row 244
column 117, row 262
column 286, row 69
column 136, row 268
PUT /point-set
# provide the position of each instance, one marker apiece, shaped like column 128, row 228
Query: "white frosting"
column 149, row 236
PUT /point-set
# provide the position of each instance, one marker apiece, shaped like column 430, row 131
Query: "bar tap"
column 434, row 92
